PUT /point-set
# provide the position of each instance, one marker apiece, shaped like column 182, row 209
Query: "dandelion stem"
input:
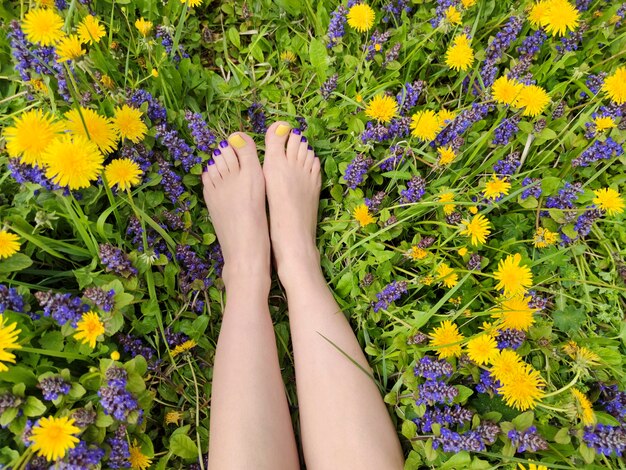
column 561, row 390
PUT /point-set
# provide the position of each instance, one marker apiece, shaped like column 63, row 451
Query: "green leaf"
column 458, row 460
column 15, row 263
column 587, row 453
column 8, row 416
column 524, row 420
column 33, row 407
column 563, row 436
column 569, row 319
column 52, row 341
column 318, row 56
column 183, row 446
column 409, row 429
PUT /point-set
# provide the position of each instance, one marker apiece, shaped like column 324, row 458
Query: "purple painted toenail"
column 303, row 139
column 296, row 131
column 217, row 152
column 223, row 144
column 309, row 147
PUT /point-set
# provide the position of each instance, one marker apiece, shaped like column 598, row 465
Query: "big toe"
column 275, row 139
column 245, row 148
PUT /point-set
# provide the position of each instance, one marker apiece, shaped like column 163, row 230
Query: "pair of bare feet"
column 235, row 189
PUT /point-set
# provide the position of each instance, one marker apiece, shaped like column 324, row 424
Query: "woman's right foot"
column 292, row 182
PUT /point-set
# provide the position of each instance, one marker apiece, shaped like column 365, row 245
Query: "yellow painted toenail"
column 282, row 130
column 237, row 141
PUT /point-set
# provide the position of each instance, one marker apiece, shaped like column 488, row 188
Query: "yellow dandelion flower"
column 453, row 16
column 52, row 437
column 496, row 187
column 462, row 251
column 184, row 347
column 89, row 124
column 137, row 459
column 425, row 125
column 107, row 82
column 358, row 98
column 9, row 244
column 460, row 55
column 115, row 356
column 522, row 388
column 127, row 121
column 468, row 3
column 88, row 328
column 154, row 73
column 361, row 17
column 512, row 277
column 45, row 3
column 123, row 173
column 90, row 31
column 446, row 155
column 288, row 57
column 362, row 215
column 69, row 48
column 38, row 84
column 416, row 253
column 72, row 161
column 615, row 86
column 505, row 90
column 584, row 407
column 143, row 26
column 382, row 108
column 43, row 26
column 456, row 300
column 559, row 16
column 446, row 339
column 447, row 200
column 544, row 238
column 504, row 363
column 603, row 123
column 445, row 117
column 581, row 354
column 30, row 135
column 537, row 12
column 427, row 280
column 173, row 417
column 482, row 349
column 609, row 201
column 478, row 229
column 515, row 313
column 532, row 466
column 8, row 341
column 533, row 99
column 192, row 3
column 447, row 276
column 473, row 210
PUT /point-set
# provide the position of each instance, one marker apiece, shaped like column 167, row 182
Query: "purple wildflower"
column 115, row 260
column 356, row 170
column 176, row 146
column 62, row 308
column 391, row 292
column 447, row 415
column 52, row 387
column 171, row 181
column 409, row 96
column 487, row 383
column 336, row 28
column 256, row 115
column 120, row 453
column 375, row 45
column 416, row 188
column 10, row 300
column 81, row 457
column 134, row 346
column 528, row 440
column 510, row 338
column 434, row 391
column 393, row 9
column 430, row 368
column 451, row 441
column 329, row 86
column 506, row 130
column 374, row 203
column 533, row 186
column 203, row 138
column 104, row 300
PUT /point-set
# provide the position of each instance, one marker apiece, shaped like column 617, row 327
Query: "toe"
column 275, row 139
column 220, row 163
column 293, row 144
column 302, row 151
column 245, row 148
column 214, row 175
column 206, row 180
column 228, row 156
column 309, row 159
column 316, row 167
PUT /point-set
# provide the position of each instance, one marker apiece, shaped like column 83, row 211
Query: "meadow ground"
column 471, row 221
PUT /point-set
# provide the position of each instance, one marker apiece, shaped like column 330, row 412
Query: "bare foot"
column 293, row 181
column 234, row 192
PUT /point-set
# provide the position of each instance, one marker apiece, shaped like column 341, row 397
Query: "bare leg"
column 250, row 421
column 344, row 421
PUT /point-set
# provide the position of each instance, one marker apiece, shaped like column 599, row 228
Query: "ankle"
column 248, row 278
column 301, row 267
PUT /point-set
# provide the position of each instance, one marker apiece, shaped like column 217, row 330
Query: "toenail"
column 282, row 130
column 237, row 141
column 303, row 139
column 309, row 147
column 223, row 144
column 296, row 131
column 217, row 152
